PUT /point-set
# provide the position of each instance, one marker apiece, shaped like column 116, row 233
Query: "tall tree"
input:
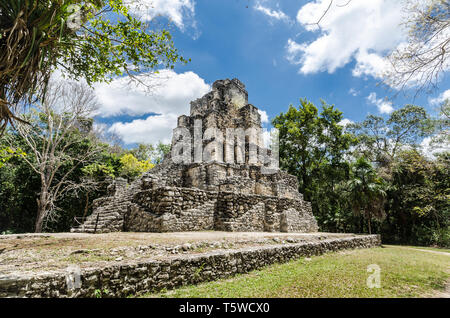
column 426, row 55
column 57, row 137
column 366, row 192
column 380, row 139
column 418, row 200
column 153, row 153
column 313, row 146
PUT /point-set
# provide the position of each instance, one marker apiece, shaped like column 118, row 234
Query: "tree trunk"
column 40, row 218
column 86, row 207
column 368, row 223
column 41, row 210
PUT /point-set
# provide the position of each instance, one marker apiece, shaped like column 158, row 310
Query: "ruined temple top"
column 226, row 95
column 224, row 123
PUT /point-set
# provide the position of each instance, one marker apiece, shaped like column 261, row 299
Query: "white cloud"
column 362, row 30
column 344, row 122
column 178, row 11
column 370, row 64
column 170, row 97
column 353, row 92
column 293, row 50
column 439, row 143
column 264, row 116
column 150, row 130
column 441, row 98
column 273, row 14
column 384, row 106
column 171, row 93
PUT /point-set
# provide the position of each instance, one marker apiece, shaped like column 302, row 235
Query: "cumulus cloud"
column 272, row 14
column 363, row 31
column 384, row 106
column 431, row 146
column 441, row 98
column 264, row 116
column 150, row 130
column 171, row 93
column 169, row 98
column 344, row 122
column 178, row 11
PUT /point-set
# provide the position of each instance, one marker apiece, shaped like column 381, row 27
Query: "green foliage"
column 132, row 167
column 116, row 43
column 419, row 200
column 380, row 139
column 91, row 39
column 19, row 186
column 365, row 191
column 97, row 170
column 313, row 148
column 403, row 197
column 7, row 153
column 152, row 153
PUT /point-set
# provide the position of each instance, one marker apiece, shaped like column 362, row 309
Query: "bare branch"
column 58, row 127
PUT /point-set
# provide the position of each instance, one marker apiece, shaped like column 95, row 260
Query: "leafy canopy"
column 91, row 39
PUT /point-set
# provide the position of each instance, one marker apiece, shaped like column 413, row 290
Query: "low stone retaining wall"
column 153, row 275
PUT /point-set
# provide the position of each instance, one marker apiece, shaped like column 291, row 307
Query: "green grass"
column 404, row 273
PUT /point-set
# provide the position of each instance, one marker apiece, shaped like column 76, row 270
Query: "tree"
column 19, row 185
column 418, row 200
column 380, row 139
column 133, row 167
column 152, row 153
column 426, row 55
column 93, row 40
column 299, row 132
column 58, row 137
column 7, row 153
column 443, row 123
column 365, row 190
column 313, row 148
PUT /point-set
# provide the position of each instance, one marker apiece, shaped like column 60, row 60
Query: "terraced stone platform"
column 78, row 265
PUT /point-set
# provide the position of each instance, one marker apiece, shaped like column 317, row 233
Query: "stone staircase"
column 107, row 218
column 108, row 214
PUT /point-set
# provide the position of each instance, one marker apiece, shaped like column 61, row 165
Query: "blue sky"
column 269, row 46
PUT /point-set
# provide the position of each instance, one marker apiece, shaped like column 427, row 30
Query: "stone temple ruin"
column 227, row 192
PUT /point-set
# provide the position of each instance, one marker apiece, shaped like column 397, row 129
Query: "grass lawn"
column 404, row 273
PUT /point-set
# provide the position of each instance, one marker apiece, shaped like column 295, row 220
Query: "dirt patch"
column 422, row 250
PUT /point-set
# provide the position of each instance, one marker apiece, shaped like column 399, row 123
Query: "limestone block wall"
column 169, row 209
column 172, row 200
column 138, row 220
column 243, row 212
column 251, row 220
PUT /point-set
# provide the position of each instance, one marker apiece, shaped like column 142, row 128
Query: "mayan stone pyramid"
column 212, row 180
